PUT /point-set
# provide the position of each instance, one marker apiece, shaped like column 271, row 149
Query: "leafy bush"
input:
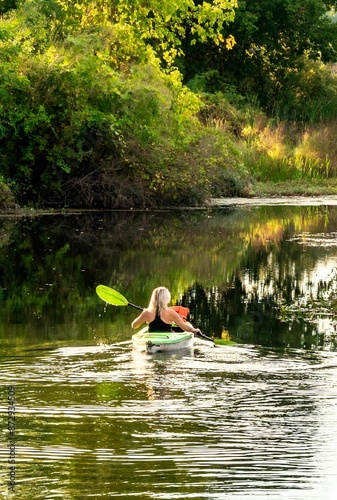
column 308, row 93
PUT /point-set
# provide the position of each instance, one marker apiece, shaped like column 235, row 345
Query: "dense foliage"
column 94, row 111
column 279, row 45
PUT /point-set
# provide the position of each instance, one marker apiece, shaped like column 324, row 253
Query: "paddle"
column 111, row 296
column 203, row 336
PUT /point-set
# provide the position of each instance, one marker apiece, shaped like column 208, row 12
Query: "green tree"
column 274, row 39
column 83, row 94
column 159, row 26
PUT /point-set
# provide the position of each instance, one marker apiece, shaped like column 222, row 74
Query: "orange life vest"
column 182, row 311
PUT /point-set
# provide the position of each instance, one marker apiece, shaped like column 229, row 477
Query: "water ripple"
column 229, row 422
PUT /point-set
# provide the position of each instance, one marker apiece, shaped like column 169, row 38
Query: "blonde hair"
column 159, row 299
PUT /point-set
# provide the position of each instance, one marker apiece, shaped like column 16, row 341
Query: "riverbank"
column 314, row 187
column 285, row 200
column 314, row 192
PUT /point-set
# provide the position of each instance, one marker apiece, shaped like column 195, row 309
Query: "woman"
column 159, row 316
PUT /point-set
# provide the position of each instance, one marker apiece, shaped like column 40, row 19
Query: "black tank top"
column 158, row 325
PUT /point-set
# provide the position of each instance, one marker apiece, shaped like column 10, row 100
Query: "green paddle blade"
column 111, row 296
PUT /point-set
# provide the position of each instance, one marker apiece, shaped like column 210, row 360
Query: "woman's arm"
column 144, row 316
column 171, row 316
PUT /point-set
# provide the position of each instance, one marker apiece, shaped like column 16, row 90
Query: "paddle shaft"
column 136, row 307
column 203, row 336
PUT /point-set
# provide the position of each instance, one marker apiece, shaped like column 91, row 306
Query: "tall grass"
column 284, row 153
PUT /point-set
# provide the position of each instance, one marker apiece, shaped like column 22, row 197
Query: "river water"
column 84, row 416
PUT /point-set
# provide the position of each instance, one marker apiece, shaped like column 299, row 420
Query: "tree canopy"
column 94, row 110
column 273, row 41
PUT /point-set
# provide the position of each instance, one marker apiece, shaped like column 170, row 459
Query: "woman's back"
column 158, row 325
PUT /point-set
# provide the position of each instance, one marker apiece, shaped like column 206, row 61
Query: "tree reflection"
column 253, row 275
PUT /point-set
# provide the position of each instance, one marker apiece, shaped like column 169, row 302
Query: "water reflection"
column 95, row 419
column 247, row 272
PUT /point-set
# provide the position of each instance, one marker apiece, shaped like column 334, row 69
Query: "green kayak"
column 152, row 342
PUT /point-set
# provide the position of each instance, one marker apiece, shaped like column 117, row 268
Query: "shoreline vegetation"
column 171, row 105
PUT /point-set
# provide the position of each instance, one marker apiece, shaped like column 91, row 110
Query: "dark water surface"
column 93, row 419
